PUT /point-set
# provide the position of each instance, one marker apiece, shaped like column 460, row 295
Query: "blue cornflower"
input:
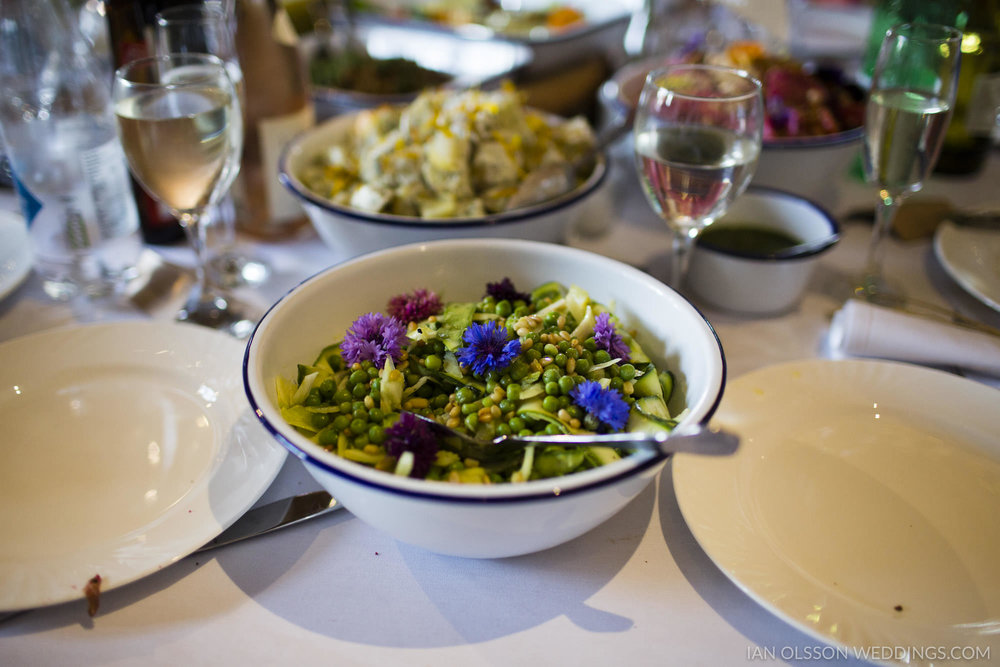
column 505, row 290
column 409, row 434
column 605, row 405
column 608, row 339
column 487, row 348
column 373, row 337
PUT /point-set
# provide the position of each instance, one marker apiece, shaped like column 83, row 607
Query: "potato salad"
column 448, row 154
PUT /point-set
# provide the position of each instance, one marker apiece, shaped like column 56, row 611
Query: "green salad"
column 546, row 362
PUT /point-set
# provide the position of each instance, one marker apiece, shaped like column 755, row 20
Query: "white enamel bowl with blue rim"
column 474, row 520
column 350, row 232
column 760, row 283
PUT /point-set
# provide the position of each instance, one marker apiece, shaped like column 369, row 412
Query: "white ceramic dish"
column 861, row 507
column 126, row 447
column 15, row 252
column 972, row 258
column 475, row 520
column 351, row 232
column 758, row 283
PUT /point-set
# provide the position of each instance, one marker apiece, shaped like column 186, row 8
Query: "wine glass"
column 697, row 132
column 206, row 28
column 909, row 106
column 179, row 120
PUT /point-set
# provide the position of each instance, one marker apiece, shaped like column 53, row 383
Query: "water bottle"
column 58, row 129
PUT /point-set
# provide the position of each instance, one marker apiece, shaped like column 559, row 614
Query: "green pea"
column 602, row 356
column 465, row 395
column 329, row 437
column 514, row 392
column 375, row 415
column 487, row 402
column 313, row 398
column 552, row 429
column 439, row 401
column 551, row 319
column 360, row 441
column 626, row 372
column 616, row 383
column 551, row 375
column 550, row 403
column 361, row 413
column 433, row 362
column 471, row 421
column 376, row 434
column 506, row 405
column 582, row 366
column 503, row 429
column 552, row 388
column 504, row 308
column 560, row 360
column 358, row 377
column 342, row 396
column 517, row 424
column 550, row 349
column 566, row 384
column 340, row 422
column 327, row 387
column 590, row 344
column 572, row 353
column 358, row 426
column 320, row 420
column 470, row 408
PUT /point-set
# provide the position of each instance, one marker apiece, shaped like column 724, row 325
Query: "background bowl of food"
column 448, row 165
column 815, row 115
column 759, row 257
column 387, row 64
column 502, row 518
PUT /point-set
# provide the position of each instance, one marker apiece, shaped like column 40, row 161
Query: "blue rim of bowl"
column 642, row 463
column 593, row 182
column 809, row 249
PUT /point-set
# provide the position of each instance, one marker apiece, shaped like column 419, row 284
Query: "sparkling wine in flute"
column 181, row 143
column 692, row 173
column 905, row 129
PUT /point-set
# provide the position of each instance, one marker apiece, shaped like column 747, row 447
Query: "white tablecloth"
column 637, row 590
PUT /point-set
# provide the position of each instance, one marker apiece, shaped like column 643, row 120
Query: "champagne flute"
column 909, row 106
column 179, row 120
column 206, row 28
column 697, row 132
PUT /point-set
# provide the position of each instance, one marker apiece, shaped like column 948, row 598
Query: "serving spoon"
column 552, row 180
column 698, row 439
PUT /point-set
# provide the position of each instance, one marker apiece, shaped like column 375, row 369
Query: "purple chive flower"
column 409, row 434
column 608, row 339
column 505, row 290
column 373, row 337
column 605, row 405
column 414, row 307
column 487, row 348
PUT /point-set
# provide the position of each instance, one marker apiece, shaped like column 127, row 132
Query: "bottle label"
column 275, row 133
column 981, row 114
column 107, row 178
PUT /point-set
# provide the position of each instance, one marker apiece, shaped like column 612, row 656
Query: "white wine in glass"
column 697, row 132
column 179, row 121
column 909, row 107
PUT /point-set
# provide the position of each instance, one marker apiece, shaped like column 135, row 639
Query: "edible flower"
column 414, row 307
column 605, row 405
column 373, row 337
column 607, row 338
column 505, row 290
column 409, row 434
column 487, row 348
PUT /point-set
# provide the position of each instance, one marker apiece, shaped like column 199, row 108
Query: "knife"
column 279, row 514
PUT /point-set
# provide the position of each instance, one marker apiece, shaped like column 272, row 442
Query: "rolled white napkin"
column 864, row 329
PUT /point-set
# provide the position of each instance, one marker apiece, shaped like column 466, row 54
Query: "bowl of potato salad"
column 450, row 164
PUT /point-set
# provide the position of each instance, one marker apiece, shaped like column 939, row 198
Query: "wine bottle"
column 127, row 32
column 278, row 107
column 967, row 141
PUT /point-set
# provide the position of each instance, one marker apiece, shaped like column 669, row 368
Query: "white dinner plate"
column 15, row 252
column 972, row 258
column 861, row 506
column 124, row 448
